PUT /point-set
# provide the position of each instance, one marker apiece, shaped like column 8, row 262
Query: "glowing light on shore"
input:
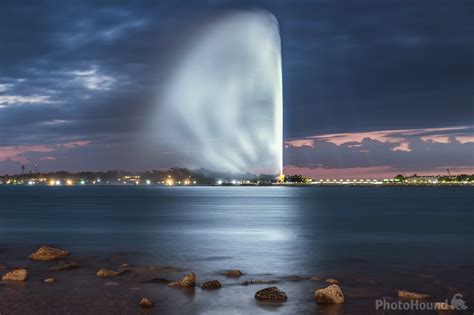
column 281, row 178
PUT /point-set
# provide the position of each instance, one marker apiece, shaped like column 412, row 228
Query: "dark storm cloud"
column 89, row 71
column 381, row 65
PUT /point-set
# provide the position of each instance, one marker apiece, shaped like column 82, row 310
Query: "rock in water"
column 16, row 275
column 107, row 273
column 404, row 294
column 187, row 281
column 49, row 253
column 70, row 266
column 145, row 303
column 48, row 280
column 315, row 278
column 213, row 284
column 329, row 295
column 233, row 273
column 271, row 294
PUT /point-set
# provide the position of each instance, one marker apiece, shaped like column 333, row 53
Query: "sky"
column 370, row 88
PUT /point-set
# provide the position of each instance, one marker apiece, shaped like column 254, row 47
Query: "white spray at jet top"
column 222, row 106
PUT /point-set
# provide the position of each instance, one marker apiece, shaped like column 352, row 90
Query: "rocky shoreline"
column 52, row 263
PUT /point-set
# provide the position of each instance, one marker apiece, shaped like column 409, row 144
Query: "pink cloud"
column 403, row 146
column 341, row 138
column 300, row 142
column 318, row 156
column 465, row 139
column 384, row 136
column 15, row 153
column 446, row 138
column 399, row 137
column 436, row 138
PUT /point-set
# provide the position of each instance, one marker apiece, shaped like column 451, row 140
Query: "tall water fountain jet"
column 222, row 107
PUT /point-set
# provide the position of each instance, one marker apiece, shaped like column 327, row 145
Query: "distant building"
column 131, row 179
column 415, row 179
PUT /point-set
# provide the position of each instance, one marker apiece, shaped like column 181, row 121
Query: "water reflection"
column 364, row 237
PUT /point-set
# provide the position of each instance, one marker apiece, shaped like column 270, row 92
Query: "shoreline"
column 329, row 184
column 128, row 283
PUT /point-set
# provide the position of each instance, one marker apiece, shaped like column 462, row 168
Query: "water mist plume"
column 222, row 106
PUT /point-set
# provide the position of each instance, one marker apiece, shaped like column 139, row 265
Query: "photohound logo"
column 456, row 303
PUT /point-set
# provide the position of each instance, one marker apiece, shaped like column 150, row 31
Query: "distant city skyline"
column 361, row 98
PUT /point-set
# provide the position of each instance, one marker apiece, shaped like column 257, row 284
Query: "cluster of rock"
column 44, row 253
column 331, row 294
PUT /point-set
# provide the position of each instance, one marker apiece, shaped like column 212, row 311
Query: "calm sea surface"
column 418, row 237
